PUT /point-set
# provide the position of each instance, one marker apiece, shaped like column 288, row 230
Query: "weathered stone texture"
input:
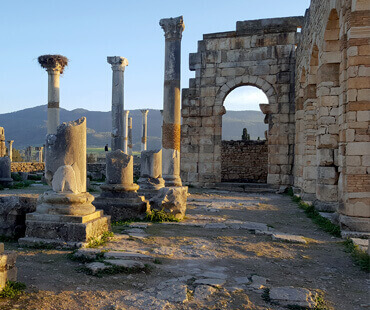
column 244, row 161
column 27, row 167
column 8, row 271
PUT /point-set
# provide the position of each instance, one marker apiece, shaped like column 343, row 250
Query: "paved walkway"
column 233, row 251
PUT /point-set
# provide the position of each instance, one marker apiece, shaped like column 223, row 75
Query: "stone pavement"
column 232, row 251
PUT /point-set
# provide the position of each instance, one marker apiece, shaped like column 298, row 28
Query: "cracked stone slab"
column 174, row 293
column 214, row 275
column 242, row 280
column 288, row 238
column 139, row 225
column 96, row 267
column 164, row 250
column 203, row 291
column 127, row 263
column 211, row 282
column 216, row 226
column 126, row 255
column 293, row 296
column 258, row 283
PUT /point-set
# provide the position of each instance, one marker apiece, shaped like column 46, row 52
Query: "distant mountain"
column 28, row 127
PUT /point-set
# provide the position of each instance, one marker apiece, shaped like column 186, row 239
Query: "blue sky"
column 87, row 31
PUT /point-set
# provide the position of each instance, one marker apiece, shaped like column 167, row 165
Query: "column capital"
column 144, row 112
column 10, row 141
column 53, row 63
column 173, row 27
column 126, row 112
column 118, row 63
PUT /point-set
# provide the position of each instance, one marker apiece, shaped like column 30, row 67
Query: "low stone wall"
column 244, row 161
column 27, row 167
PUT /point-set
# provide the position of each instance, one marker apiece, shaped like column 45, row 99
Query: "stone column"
column 125, row 131
column 65, row 215
column 118, row 66
column 54, row 65
column 161, row 122
column 40, row 155
column 150, row 181
column 10, row 149
column 129, row 145
column 119, row 197
column 173, row 28
column 2, row 142
column 5, row 171
column 144, row 130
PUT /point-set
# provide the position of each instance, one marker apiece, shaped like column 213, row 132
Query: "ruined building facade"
column 315, row 71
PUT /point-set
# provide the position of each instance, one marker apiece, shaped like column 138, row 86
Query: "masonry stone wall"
column 244, row 161
column 27, row 167
column 332, row 143
column 259, row 53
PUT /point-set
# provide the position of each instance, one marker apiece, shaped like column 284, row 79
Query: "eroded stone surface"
column 292, row 296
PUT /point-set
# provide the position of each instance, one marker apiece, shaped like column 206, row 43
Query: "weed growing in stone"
column 111, row 270
column 104, row 239
column 315, row 216
column 86, row 259
column 160, row 216
column 266, row 295
column 360, row 257
column 12, row 289
column 157, row 261
column 19, row 185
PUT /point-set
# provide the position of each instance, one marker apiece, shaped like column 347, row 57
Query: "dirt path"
column 223, row 256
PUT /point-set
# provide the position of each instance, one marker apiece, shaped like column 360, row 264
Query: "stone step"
column 245, row 187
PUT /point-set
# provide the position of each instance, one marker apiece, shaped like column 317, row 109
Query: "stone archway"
column 260, row 54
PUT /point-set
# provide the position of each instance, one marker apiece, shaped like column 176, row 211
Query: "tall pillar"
column 2, row 142
column 144, row 131
column 171, row 130
column 40, row 155
column 118, row 67
column 125, row 131
column 54, row 65
column 10, row 149
column 129, row 145
column 161, row 122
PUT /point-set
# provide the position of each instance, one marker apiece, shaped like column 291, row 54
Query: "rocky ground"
column 233, row 251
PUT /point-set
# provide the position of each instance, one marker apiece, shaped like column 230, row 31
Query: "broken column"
column 118, row 67
column 54, row 65
column 40, row 150
column 65, row 215
column 8, row 271
column 173, row 28
column 150, row 181
column 119, row 197
column 129, row 145
column 144, row 130
column 5, row 172
column 10, row 149
column 125, row 138
column 2, row 142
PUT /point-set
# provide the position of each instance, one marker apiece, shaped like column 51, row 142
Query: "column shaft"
column 125, row 130
column 129, row 145
column 144, row 131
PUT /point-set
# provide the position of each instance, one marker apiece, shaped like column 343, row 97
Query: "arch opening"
column 244, row 155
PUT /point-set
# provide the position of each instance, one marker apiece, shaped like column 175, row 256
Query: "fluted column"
column 125, row 136
column 54, row 65
column 118, row 67
column 144, row 130
column 129, row 145
column 173, row 28
column 10, row 149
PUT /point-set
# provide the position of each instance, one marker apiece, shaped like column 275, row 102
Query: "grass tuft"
column 160, row 216
column 361, row 258
column 103, row 240
column 116, row 270
column 266, row 295
column 315, row 216
column 12, row 289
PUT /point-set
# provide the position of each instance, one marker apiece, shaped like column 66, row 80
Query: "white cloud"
column 245, row 98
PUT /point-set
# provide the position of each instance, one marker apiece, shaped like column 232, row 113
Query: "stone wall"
column 332, row 89
column 28, row 167
column 259, row 53
column 244, row 161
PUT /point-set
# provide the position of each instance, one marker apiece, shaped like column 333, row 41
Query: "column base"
column 121, row 205
column 172, row 180
column 353, row 223
column 6, row 182
column 65, row 219
column 8, row 271
column 149, row 187
column 171, row 200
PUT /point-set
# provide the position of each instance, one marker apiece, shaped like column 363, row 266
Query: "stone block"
column 172, row 200
column 327, row 175
column 325, row 157
column 325, row 192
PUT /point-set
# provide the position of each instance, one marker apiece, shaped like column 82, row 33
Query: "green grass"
column 111, row 270
column 99, row 257
column 160, row 216
column 315, row 216
column 104, row 239
column 361, row 258
column 19, row 185
column 12, row 289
